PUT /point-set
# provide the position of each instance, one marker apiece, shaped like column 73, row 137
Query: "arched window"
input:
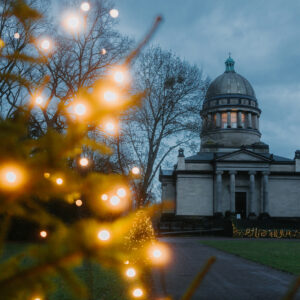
column 224, row 120
column 243, row 120
column 233, row 116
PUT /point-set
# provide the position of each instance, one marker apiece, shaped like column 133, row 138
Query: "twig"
column 291, row 293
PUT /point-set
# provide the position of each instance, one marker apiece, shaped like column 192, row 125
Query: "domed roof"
column 230, row 82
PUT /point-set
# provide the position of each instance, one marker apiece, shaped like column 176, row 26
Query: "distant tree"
column 168, row 117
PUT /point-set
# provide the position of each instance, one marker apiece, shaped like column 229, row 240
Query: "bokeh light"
column 110, row 96
column 110, row 127
column 85, row 6
column 45, row 44
column 119, row 76
column 130, row 272
column 135, row 171
column 43, row 234
column 103, row 51
column 11, row 176
column 104, row 235
column 80, row 109
column 84, row 162
column 104, row 197
column 39, row 100
column 114, row 13
column 159, row 254
column 137, row 293
column 47, row 175
column 121, row 192
column 114, row 200
column 59, row 181
column 78, row 202
column 17, row 35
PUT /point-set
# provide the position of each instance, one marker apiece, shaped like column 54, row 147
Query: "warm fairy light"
column 135, row 170
column 17, row 35
column 114, row 13
column 11, row 176
column 110, row 127
column 43, row 234
column 103, row 51
column 47, row 175
column 78, row 202
column 130, row 272
column 104, row 235
column 104, row 197
column 72, row 22
column 110, row 96
column 114, row 200
column 137, row 293
column 119, row 76
column 45, row 44
column 126, row 262
column 80, row 109
column 39, row 100
column 159, row 254
column 84, row 161
column 121, row 192
column 37, row 298
column 59, row 181
column 85, row 6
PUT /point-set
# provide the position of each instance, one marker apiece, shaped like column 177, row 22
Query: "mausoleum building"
column 234, row 172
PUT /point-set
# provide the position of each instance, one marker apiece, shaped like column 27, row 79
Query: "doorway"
column 241, row 204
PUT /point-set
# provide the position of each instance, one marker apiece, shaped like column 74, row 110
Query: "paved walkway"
column 230, row 277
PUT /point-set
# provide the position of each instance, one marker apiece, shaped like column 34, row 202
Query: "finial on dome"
column 229, row 64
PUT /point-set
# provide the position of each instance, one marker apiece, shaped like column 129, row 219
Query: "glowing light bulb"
column 59, row 181
column 84, row 162
column 45, row 44
column 119, row 76
column 85, row 6
column 47, row 175
column 80, row 109
column 103, row 51
column 104, row 235
column 121, row 192
column 137, row 293
column 110, row 127
column 110, row 96
column 43, row 234
column 73, row 22
column 17, row 35
column 78, row 202
column 135, row 170
column 104, row 197
column 130, row 272
column 114, row 200
column 39, row 100
column 11, row 177
column 38, row 298
column 159, row 254
column 114, row 13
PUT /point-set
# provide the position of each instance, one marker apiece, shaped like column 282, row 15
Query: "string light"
column 159, row 254
column 110, row 127
column 121, row 192
column 43, row 234
column 45, row 44
column 126, row 262
column 11, row 177
column 135, row 170
column 80, row 109
column 114, row 13
column 84, row 162
column 39, row 100
column 110, row 96
column 130, row 272
column 137, row 293
column 114, row 200
column 73, row 22
column 119, row 76
column 85, row 6
column 47, row 175
column 104, row 197
column 78, row 202
column 104, row 235
column 59, row 181
column 103, row 51
column 17, row 35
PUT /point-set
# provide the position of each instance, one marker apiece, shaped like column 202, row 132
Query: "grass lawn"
column 102, row 283
column 279, row 254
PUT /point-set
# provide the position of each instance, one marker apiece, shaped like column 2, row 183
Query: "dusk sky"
column 262, row 36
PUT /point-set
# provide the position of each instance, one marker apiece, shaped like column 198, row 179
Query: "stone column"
column 252, row 193
column 266, row 192
column 239, row 119
column 218, row 192
column 232, row 191
column 255, row 122
column 209, row 121
column 218, row 120
column 228, row 119
column 249, row 121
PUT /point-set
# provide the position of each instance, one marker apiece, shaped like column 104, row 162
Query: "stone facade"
column 234, row 172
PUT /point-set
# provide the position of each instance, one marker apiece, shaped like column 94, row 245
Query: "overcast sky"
column 263, row 37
